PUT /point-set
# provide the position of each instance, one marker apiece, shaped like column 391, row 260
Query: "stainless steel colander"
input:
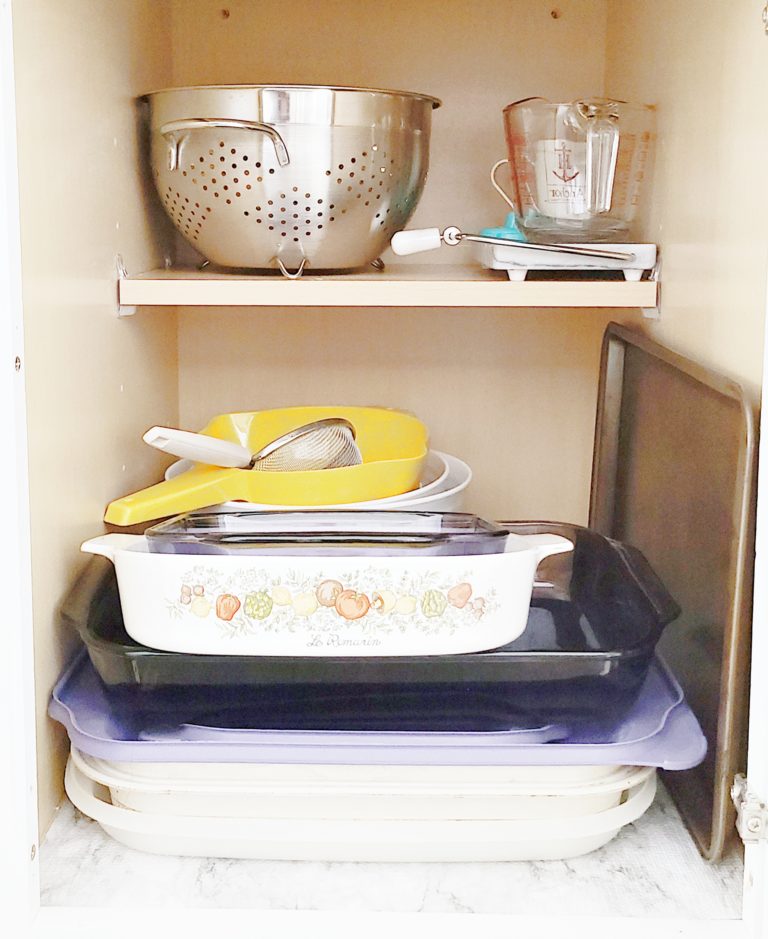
column 265, row 176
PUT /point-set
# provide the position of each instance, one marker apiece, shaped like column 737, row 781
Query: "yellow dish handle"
column 198, row 487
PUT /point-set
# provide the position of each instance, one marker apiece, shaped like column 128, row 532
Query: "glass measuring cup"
column 580, row 169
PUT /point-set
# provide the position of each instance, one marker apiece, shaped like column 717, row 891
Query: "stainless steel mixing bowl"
column 265, row 176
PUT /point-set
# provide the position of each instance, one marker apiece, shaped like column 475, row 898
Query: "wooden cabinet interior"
column 512, row 390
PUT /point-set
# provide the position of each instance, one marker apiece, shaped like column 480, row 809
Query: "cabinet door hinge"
column 751, row 812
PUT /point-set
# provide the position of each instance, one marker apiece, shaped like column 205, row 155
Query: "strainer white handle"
column 172, row 129
column 198, row 447
column 412, row 241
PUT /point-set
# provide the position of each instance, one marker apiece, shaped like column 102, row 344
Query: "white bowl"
column 444, row 480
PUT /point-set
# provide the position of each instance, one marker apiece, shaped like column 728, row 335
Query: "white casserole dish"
column 313, row 584
column 353, row 838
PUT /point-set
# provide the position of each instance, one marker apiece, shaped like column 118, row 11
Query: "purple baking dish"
column 659, row 730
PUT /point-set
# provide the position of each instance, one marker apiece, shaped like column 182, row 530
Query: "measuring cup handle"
column 496, row 185
column 602, row 152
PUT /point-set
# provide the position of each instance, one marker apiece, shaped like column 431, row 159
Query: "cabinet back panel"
column 510, row 392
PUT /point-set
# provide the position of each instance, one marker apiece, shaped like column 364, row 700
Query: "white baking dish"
column 353, row 838
column 375, row 792
column 320, row 583
column 445, row 479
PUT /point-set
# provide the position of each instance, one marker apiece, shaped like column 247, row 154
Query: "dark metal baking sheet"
column 674, row 475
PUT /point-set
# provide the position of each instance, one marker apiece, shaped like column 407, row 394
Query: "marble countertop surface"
column 651, row 869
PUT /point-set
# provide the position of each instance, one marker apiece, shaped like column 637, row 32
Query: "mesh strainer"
column 324, row 444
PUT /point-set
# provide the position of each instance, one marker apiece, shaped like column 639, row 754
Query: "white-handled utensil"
column 427, row 239
column 199, row 448
column 325, row 444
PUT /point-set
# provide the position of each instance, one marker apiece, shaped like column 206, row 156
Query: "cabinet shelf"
column 396, row 286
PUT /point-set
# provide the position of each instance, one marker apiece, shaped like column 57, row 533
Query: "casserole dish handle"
column 109, row 545
column 543, row 545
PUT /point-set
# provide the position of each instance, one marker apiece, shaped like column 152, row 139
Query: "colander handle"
column 173, row 129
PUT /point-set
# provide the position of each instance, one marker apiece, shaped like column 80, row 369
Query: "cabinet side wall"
column 510, row 391
column 705, row 66
column 94, row 383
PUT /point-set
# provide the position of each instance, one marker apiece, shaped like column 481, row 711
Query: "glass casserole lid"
column 322, row 532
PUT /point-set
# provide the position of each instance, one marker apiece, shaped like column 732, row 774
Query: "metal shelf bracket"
column 654, row 312
column 120, row 309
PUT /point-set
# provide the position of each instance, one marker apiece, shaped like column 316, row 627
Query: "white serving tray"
column 351, row 838
column 253, row 790
column 518, row 261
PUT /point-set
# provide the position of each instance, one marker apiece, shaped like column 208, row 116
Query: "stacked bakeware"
column 542, row 748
